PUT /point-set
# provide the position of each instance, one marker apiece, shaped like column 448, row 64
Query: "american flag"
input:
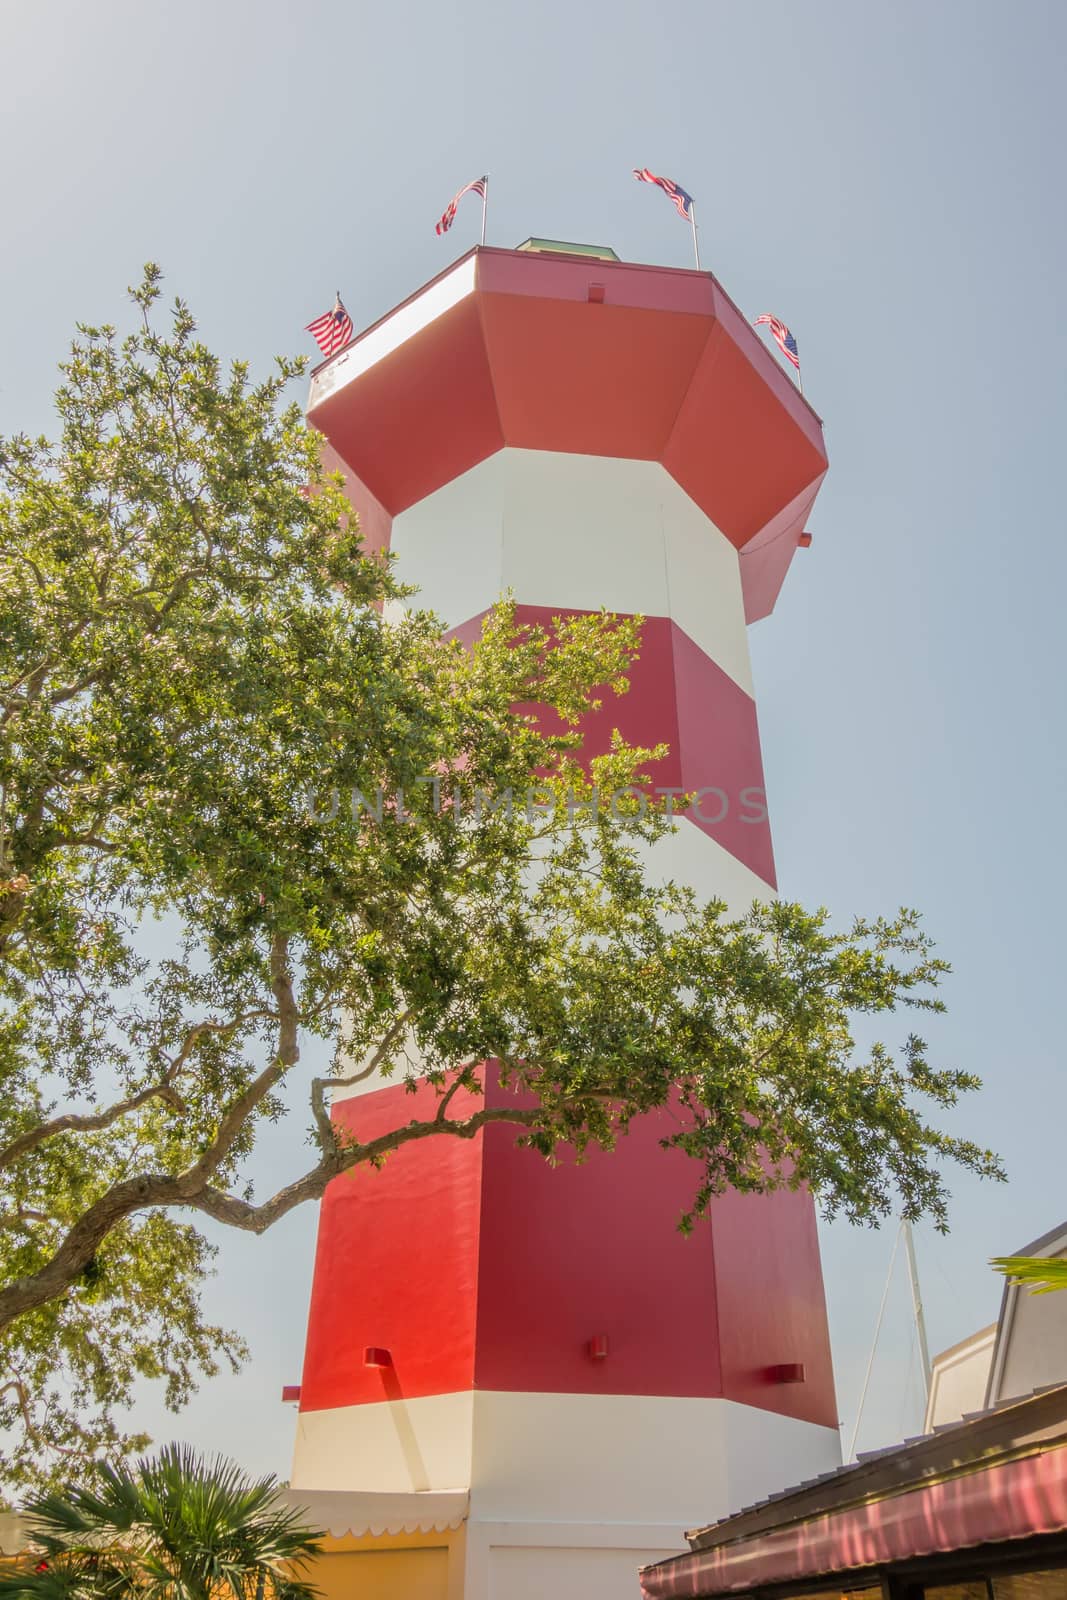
column 332, row 331
column 477, row 187
column 782, row 337
column 682, row 201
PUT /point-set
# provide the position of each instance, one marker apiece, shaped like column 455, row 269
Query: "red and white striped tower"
column 585, row 433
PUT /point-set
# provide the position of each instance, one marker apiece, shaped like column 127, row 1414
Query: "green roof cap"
column 600, row 252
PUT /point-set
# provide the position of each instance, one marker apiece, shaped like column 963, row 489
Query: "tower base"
column 568, row 1494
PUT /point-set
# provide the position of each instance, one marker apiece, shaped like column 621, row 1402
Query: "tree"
column 209, row 729
column 1045, row 1274
column 176, row 1528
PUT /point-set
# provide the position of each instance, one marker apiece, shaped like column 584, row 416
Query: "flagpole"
column 693, row 220
column 485, row 204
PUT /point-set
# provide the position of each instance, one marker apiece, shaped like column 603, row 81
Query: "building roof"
column 341, row 1513
column 966, row 1344
column 996, row 1475
column 1047, row 1244
column 599, row 252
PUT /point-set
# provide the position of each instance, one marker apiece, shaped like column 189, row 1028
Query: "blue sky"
column 887, row 179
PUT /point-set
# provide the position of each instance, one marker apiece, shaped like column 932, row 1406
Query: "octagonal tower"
column 585, row 433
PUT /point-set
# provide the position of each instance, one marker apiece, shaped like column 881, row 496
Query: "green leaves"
column 173, row 1528
column 1045, row 1274
column 193, row 642
column 71, row 1367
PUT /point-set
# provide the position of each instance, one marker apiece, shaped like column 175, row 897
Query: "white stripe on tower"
column 576, row 532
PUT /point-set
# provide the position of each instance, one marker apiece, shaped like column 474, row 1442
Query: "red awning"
column 1012, row 1500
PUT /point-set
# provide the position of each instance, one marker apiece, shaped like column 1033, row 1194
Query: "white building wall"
column 561, row 1458
column 393, row 1446
column 502, row 1571
column 1032, row 1348
column 959, row 1378
column 633, row 1458
column 571, row 1494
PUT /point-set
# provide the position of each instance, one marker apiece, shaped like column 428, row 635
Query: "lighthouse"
column 521, row 1379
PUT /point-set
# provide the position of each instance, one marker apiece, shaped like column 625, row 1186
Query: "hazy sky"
column 885, row 177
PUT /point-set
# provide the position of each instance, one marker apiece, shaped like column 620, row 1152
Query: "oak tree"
column 216, row 725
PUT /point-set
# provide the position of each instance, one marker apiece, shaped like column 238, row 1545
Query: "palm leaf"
column 176, row 1527
column 1045, row 1273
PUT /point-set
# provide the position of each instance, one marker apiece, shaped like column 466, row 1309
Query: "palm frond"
column 1046, row 1274
column 174, row 1527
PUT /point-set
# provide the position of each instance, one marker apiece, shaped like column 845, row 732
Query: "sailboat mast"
column 917, row 1306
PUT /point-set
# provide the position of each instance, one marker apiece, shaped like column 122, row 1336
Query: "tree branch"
column 319, row 1086
column 16, row 1387
column 76, row 1122
column 93, row 1122
column 237, row 1213
column 286, row 1056
column 153, row 1191
column 16, row 1221
column 460, row 1081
